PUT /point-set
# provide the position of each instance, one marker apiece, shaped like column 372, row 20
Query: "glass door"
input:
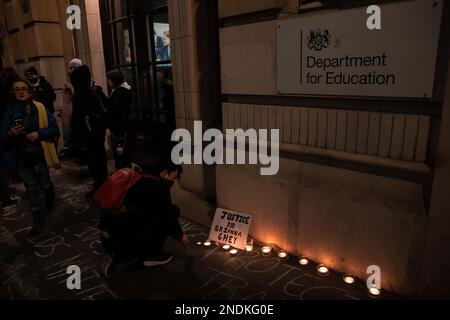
column 136, row 37
column 160, row 62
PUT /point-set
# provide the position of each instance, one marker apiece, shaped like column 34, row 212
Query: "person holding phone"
column 28, row 127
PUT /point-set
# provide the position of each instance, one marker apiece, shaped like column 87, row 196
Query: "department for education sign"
column 336, row 54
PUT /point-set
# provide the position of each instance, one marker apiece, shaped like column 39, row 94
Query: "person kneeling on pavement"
column 148, row 217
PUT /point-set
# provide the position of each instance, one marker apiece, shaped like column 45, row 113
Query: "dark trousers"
column 40, row 190
column 130, row 240
column 122, row 159
column 4, row 183
column 97, row 162
column 6, row 168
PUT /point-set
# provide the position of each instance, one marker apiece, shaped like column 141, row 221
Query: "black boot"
column 38, row 224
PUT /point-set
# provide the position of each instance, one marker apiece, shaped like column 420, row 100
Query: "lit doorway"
column 136, row 37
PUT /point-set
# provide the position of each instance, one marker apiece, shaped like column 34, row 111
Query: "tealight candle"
column 233, row 252
column 226, row 247
column 323, row 270
column 207, row 243
column 249, row 245
column 349, row 279
column 374, row 291
column 199, row 243
column 282, row 254
column 303, row 261
column 266, row 251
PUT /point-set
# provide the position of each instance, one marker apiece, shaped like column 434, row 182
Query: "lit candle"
column 199, row 243
column 303, row 261
column 226, row 247
column 266, row 251
column 233, row 252
column 249, row 245
column 349, row 279
column 323, row 270
column 282, row 254
column 207, row 243
column 374, row 291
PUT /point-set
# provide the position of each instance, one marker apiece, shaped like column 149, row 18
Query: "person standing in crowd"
column 28, row 127
column 42, row 90
column 149, row 218
column 74, row 64
column 89, row 124
column 67, row 107
column 119, row 107
column 7, row 76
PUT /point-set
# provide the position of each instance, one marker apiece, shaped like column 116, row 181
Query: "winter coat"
column 25, row 150
column 88, row 109
column 45, row 94
column 119, row 107
column 149, row 211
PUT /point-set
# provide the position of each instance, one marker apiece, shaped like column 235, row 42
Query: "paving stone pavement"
column 37, row 268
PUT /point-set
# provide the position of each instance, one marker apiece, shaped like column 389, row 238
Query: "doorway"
column 136, row 36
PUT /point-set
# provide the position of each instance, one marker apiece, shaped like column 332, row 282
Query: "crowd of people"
column 29, row 135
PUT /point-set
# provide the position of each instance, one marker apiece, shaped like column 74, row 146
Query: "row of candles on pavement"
column 266, row 251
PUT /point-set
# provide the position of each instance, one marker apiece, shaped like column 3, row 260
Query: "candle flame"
column 303, row 261
column 322, row 269
column 349, row 279
column 374, row 291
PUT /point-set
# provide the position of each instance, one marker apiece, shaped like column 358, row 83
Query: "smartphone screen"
column 19, row 122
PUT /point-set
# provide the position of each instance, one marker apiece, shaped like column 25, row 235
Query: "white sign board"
column 230, row 228
column 336, row 54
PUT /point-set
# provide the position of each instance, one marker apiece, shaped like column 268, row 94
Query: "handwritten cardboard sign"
column 230, row 227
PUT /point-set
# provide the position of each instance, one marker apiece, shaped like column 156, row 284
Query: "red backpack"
column 111, row 195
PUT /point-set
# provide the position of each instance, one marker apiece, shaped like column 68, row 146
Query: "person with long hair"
column 29, row 128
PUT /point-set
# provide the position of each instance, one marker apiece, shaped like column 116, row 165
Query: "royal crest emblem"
column 319, row 39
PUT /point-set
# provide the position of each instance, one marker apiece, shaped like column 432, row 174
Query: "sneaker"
column 39, row 224
column 12, row 201
column 158, row 260
column 36, row 231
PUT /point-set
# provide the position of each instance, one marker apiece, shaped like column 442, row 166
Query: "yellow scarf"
column 51, row 156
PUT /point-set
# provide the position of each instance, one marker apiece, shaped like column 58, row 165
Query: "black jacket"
column 45, row 94
column 150, row 213
column 119, row 107
column 89, row 112
column 149, row 203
